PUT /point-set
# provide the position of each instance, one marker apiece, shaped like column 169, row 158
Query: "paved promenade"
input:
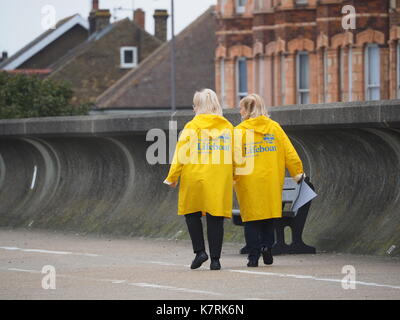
column 87, row 267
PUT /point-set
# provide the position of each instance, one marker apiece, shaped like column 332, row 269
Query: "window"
column 240, row 6
column 257, row 74
column 283, row 79
column 341, row 73
column 241, row 80
column 372, row 72
column 272, row 80
column 303, row 83
column 398, row 70
column 262, row 4
column 222, row 6
column 350, row 74
column 222, row 81
column 325, row 66
column 301, row 1
column 128, row 57
column 261, row 75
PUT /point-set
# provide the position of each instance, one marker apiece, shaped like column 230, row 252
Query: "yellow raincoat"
column 259, row 192
column 203, row 161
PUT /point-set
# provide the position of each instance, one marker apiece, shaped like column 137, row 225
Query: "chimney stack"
column 139, row 17
column 4, row 56
column 160, row 24
column 98, row 18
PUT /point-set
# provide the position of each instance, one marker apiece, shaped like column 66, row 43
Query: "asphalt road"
column 87, row 267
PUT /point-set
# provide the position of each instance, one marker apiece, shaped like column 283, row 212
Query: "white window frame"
column 398, row 70
column 341, row 74
column 240, row 8
column 125, row 65
column 273, row 72
column 302, row 91
column 257, row 73
column 240, row 95
column 222, row 80
column 261, row 75
column 260, row 5
column 283, row 78
column 350, row 73
column 325, row 62
column 369, row 86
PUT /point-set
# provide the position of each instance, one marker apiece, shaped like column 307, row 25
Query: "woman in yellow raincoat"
column 262, row 152
column 203, row 162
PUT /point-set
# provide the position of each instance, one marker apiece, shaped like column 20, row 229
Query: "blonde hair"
column 254, row 106
column 206, row 101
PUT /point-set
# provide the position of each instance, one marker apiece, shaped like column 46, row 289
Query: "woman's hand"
column 299, row 177
column 171, row 184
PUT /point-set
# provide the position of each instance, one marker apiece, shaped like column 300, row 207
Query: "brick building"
column 297, row 51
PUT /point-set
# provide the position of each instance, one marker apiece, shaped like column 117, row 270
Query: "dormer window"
column 129, row 58
column 241, row 6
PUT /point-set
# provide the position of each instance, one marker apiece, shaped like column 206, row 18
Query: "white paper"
column 306, row 195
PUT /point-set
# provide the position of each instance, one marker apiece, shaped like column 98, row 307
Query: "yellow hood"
column 210, row 122
column 261, row 124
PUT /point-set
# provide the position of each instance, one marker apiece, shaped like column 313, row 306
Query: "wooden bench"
column 295, row 220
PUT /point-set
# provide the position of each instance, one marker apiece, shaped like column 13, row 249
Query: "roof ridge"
column 148, row 63
column 37, row 40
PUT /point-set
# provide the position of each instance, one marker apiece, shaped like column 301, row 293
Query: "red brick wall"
column 268, row 29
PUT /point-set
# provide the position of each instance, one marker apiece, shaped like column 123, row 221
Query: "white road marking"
column 282, row 275
column 34, row 177
column 23, row 270
column 297, row 276
column 161, row 263
column 171, row 288
column 49, row 251
column 136, row 284
column 118, row 281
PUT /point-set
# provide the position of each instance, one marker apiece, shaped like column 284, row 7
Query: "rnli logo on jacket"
column 266, row 145
column 269, row 138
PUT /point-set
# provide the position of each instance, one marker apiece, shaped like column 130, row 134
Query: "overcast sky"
column 21, row 20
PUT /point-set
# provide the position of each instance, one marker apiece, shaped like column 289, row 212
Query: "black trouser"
column 258, row 234
column 215, row 233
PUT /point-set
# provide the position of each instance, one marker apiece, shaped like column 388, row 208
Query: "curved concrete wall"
column 90, row 175
column 84, row 184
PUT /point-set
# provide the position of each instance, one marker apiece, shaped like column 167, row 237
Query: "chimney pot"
column 139, row 17
column 95, row 5
column 160, row 24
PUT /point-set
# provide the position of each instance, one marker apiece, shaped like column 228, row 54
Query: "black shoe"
column 252, row 263
column 267, row 255
column 244, row 250
column 199, row 259
column 215, row 265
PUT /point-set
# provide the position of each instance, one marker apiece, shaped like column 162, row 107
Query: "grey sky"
column 21, row 20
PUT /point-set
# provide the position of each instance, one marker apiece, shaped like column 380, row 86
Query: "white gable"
column 76, row 20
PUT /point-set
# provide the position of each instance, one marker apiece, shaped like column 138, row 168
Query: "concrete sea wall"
column 90, row 175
